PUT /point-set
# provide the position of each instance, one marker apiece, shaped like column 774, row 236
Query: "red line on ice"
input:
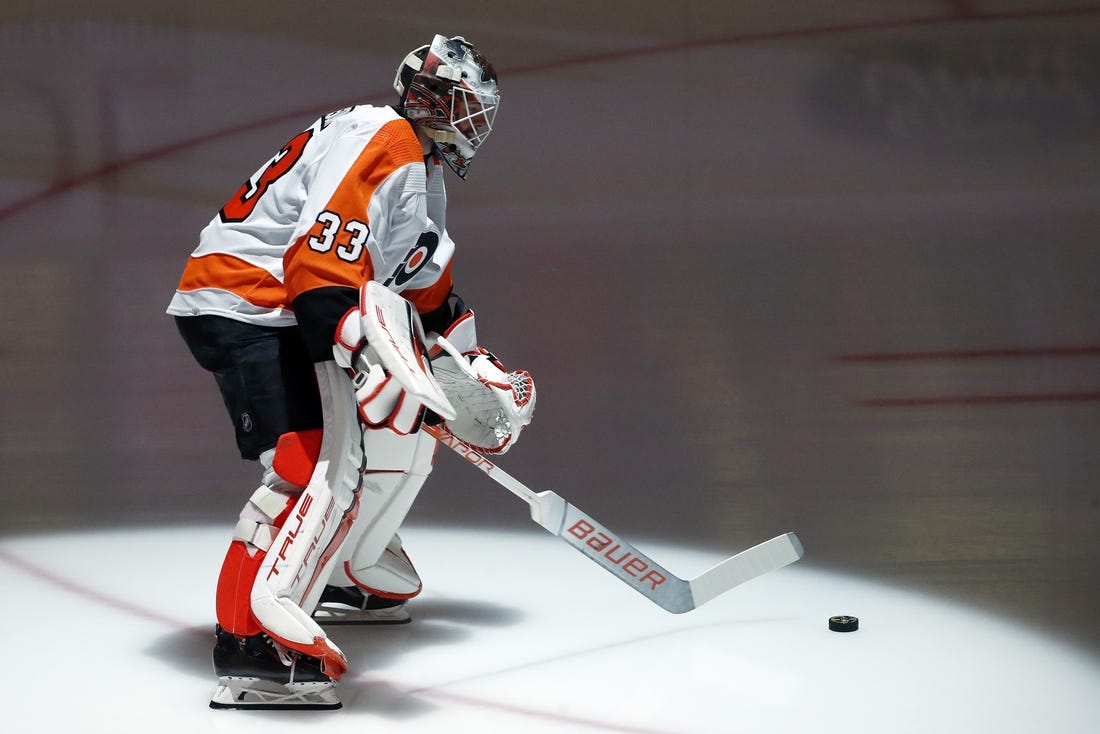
column 46, row 575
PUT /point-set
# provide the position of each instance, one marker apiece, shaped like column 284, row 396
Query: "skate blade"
column 331, row 613
column 255, row 693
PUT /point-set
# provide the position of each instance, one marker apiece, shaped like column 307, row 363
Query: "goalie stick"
column 619, row 557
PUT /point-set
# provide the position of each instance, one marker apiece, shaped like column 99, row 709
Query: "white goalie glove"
column 493, row 404
column 381, row 345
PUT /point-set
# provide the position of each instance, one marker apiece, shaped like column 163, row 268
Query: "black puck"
column 843, row 623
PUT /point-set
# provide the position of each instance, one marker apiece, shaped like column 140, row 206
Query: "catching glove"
column 492, row 404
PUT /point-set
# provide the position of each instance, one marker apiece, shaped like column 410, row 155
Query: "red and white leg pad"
column 373, row 558
column 261, row 518
column 293, row 572
column 281, row 555
column 392, row 576
column 287, row 470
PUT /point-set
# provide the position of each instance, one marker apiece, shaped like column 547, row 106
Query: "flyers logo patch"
column 415, row 260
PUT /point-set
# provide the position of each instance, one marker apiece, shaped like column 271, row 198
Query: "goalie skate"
column 349, row 605
column 255, row 672
column 257, row 693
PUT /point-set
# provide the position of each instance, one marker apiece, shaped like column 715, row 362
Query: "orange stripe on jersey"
column 229, row 273
column 432, row 297
column 334, row 257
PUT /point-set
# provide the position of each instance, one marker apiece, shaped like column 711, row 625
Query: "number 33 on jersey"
column 346, row 201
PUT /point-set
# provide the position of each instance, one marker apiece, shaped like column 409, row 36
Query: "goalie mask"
column 450, row 91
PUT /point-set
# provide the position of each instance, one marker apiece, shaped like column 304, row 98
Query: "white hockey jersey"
column 347, row 200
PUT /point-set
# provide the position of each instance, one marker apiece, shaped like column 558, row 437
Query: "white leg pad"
column 392, row 576
column 286, row 621
column 373, row 560
column 292, row 574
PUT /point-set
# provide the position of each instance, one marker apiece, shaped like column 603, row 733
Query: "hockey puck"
column 843, row 623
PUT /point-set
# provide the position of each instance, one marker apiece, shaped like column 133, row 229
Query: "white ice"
column 516, row 632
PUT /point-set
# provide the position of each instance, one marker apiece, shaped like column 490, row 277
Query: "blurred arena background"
column 830, row 268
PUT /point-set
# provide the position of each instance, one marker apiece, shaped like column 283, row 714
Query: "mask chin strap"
column 442, row 137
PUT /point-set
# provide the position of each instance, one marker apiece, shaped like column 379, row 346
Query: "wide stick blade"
column 756, row 561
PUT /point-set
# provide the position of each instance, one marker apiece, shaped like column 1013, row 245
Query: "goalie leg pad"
column 264, row 513
column 391, row 576
column 307, row 543
column 374, row 561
